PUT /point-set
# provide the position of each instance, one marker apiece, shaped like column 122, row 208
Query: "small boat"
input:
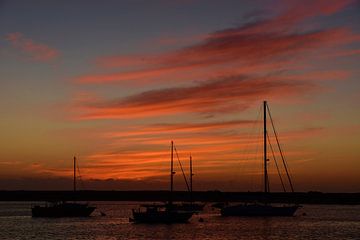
column 63, row 208
column 162, row 213
column 264, row 208
column 194, row 207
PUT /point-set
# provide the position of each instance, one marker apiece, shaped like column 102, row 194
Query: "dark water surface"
column 320, row 222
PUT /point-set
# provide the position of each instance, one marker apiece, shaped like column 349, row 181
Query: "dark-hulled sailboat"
column 264, row 208
column 63, row 208
column 162, row 213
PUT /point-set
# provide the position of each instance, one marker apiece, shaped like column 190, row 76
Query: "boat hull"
column 162, row 217
column 62, row 210
column 259, row 210
column 192, row 207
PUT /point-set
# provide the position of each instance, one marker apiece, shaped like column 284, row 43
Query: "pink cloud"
column 180, row 128
column 342, row 53
column 258, row 51
column 124, row 61
column 224, row 95
column 235, row 47
column 33, row 50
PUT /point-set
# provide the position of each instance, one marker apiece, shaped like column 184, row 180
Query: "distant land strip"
column 203, row 196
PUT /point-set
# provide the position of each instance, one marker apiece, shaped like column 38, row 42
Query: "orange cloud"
column 237, row 49
column 33, row 50
column 180, row 128
column 219, row 63
column 143, row 151
column 222, row 95
column 212, row 153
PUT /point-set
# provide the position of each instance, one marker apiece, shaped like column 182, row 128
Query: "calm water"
column 320, row 222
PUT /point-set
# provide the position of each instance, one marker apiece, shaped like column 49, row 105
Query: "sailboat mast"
column 265, row 153
column 172, row 171
column 74, row 174
column 191, row 180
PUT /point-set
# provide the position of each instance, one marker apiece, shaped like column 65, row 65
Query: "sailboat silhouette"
column 63, row 208
column 162, row 213
column 265, row 208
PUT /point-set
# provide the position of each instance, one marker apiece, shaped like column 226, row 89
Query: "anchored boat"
column 265, row 208
column 63, row 208
column 162, row 213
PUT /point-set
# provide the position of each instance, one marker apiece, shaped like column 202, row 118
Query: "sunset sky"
column 113, row 82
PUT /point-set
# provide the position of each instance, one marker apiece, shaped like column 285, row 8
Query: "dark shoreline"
column 204, row 196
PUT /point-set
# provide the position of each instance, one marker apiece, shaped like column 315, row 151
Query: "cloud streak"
column 34, row 50
column 255, row 43
column 234, row 48
column 215, row 151
column 218, row 96
column 227, row 70
column 180, row 128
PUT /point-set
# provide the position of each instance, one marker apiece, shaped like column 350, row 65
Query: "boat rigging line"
column 277, row 167
column 280, row 150
column 182, row 170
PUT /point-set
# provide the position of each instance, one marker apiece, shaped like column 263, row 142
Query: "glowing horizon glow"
column 116, row 90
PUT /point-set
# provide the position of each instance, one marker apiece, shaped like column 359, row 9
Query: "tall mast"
column 266, row 185
column 172, row 171
column 191, row 180
column 74, row 174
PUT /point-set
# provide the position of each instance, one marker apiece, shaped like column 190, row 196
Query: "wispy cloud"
column 222, row 95
column 144, row 151
column 256, row 43
column 180, row 127
column 231, row 47
column 227, row 70
column 34, row 50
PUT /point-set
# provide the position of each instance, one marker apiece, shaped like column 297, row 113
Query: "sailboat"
column 162, row 213
column 63, row 208
column 191, row 206
column 265, row 208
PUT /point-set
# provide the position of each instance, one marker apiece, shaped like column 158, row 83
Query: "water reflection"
column 266, row 228
column 321, row 222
